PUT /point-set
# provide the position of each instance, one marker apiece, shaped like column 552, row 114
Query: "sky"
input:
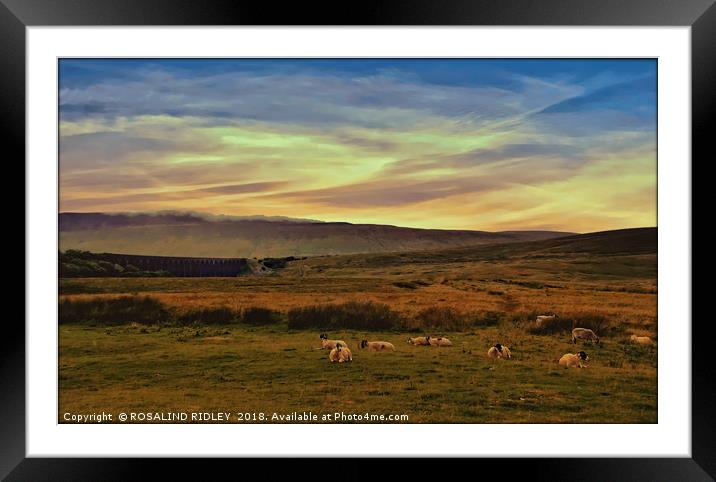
column 487, row 144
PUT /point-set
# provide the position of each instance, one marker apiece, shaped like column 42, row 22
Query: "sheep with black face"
column 377, row 345
column 571, row 360
column 499, row 351
column 327, row 344
column 419, row 340
column 340, row 354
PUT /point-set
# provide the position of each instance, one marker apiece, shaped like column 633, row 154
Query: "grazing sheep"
column 340, row 354
column 420, row 341
column 542, row 318
column 499, row 351
column 641, row 340
column 584, row 334
column 377, row 345
column 327, row 344
column 439, row 341
column 570, row 360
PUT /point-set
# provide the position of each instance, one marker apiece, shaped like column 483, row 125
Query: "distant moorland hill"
column 633, row 242
column 189, row 234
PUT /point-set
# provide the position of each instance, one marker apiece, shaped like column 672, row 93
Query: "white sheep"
column 377, row 345
column 327, row 344
column 340, row 354
column 439, row 341
column 499, row 351
column 641, row 340
column 419, row 341
column 571, row 360
column 584, row 334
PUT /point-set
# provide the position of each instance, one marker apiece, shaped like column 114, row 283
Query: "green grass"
column 273, row 369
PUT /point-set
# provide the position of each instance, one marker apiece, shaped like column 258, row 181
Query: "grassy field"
column 225, row 368
column 235, row 367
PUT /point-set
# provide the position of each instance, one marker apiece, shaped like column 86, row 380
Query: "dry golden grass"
column 462, row 292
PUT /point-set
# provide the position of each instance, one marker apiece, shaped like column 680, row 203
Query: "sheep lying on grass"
column 430, row 341
column 439, row 341
column 641, row 340
column 419, row 341
column 570, row 360
column 327, row 344
column 377, row 345
column 340, row 354
column 499, row 351
column 584, row 334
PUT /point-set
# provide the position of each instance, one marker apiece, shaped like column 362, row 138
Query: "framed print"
column 444, row 232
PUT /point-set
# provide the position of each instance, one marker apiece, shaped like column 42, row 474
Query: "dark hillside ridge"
column 621, row 241
column 627, row 242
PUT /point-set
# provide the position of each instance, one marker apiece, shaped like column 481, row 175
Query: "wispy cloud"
column 434, row 143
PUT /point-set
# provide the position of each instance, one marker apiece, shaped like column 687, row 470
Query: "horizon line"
column 277, row 218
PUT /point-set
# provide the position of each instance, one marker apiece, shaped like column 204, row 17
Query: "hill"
column 635, row 241
column 625, row 254
column 189, row 234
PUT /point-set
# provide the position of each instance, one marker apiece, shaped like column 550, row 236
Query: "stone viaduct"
column 181, row 266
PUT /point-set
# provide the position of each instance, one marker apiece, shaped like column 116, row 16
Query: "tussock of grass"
column 527, row 284
column 210, row 316
column 114, row 311
column 450, row 319
column 406, row 284
column 260, row 316
column 486, row 318
column 353, row 314
column 145, row 310
column 411, row 285
column 442, row 318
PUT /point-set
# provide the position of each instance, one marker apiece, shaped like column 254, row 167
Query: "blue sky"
column 452, row 143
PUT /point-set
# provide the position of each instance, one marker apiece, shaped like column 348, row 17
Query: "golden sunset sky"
column 458, row 144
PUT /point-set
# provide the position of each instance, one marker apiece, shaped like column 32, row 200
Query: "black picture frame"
column 16, row 15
